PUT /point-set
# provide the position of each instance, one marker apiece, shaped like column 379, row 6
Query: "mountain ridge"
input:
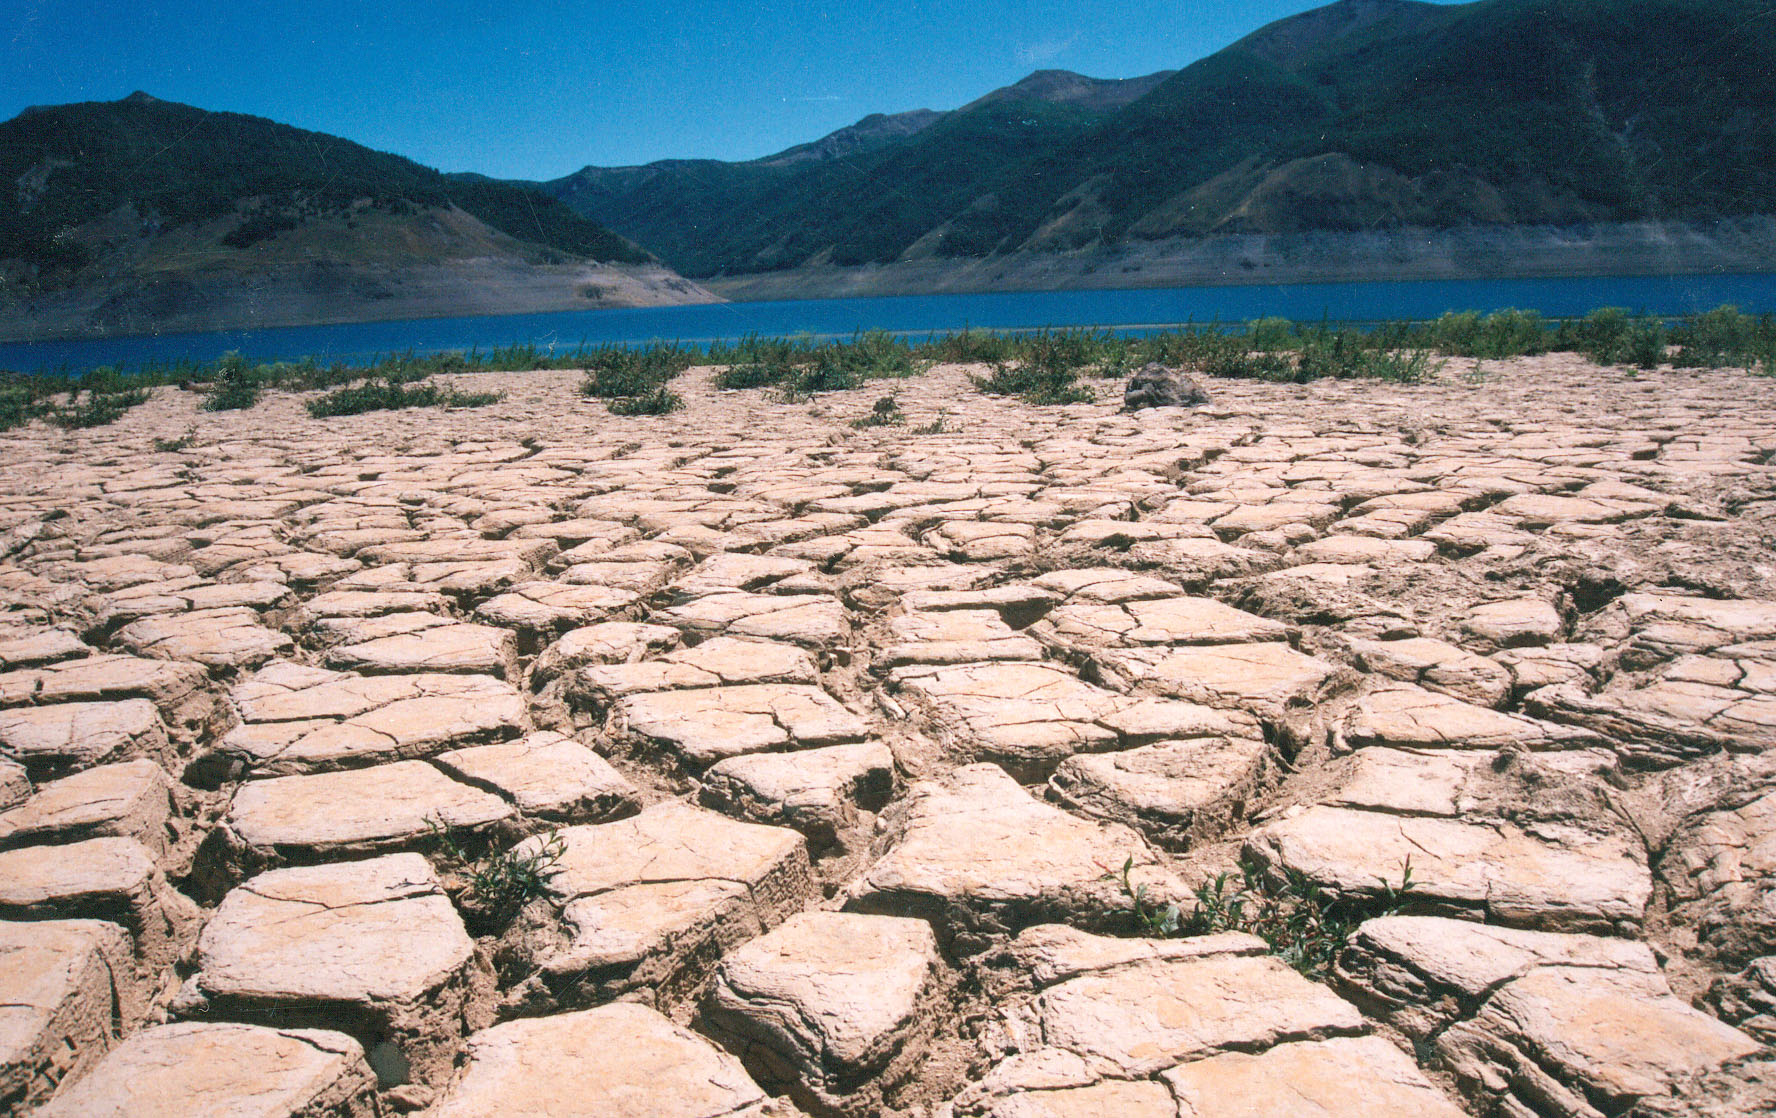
column 1360, row 116
column 142, row 214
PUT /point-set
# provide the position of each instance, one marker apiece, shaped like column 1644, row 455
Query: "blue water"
column 1129, row 310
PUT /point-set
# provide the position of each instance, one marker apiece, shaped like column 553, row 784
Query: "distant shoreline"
column 1735, row 245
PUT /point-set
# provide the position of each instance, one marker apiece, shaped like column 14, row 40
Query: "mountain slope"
column 143, row 214
column 1363, row 116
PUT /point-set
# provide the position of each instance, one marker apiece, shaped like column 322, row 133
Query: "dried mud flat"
column 839, row 732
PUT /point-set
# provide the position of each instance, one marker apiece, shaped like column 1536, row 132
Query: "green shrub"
column 491, row 889
column 615, row 370
column 885, row 412
column 661, row 401
column 237, row 384
column 1271, row 334
column 1303, row 924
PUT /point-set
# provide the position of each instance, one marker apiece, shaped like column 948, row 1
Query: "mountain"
column 143, row 214
column 1551, row 135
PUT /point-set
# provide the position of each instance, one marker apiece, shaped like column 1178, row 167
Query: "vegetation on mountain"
column 1365, row 114
column 99, row 172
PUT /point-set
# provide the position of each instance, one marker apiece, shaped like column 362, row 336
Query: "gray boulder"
column 1155, row 386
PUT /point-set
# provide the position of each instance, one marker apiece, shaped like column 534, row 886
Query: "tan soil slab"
column 1563, row 879
column 980, row 857
column 61, row 981
column 618, row 1061
column 341, row 815
column 1031, row 717
column 810, row 620
column 553, row 607
column 110, row 879
column 1270, row 680
column 220, row 639
column 1667, row 721
column 1437, row 666
column 1669, row 625
column 1175, row 793
column 652, row 900
column 178, row 690
column 1411, row 717
column 1176, row 620
column 710, row 724
column 608, row 642
column 185, row 1070
column 34, row 648
column 132, row 799
column 1345, row 1077
column 548, row 776
column 720, row 661
column 373, row 946
column 1721, row 866
column 818, row 792
column 51, row 740
column 1518, row 623
column 1569, row 1025
column 828, row 1002
column 955, row 636
column 298, row 720
column 443, row 647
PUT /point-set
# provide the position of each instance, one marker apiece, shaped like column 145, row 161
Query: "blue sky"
column 539, row 88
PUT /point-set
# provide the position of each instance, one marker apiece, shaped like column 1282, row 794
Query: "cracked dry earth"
column 838, row 731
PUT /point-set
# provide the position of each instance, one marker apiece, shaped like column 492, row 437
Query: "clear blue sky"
column 539, row 88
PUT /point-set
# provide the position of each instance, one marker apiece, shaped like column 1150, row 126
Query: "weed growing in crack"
column 494, row 887
column 1304, row 925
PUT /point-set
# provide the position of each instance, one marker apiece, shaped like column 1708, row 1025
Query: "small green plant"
column 661, row 401
column 496, row 885
column 171, row 446
column 389, row 393
column 885, row 412
column 937, row 426
column 1303, row 924
column 237, row 384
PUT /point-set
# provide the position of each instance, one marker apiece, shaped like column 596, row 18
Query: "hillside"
column 141, row 215
column 1366, row 122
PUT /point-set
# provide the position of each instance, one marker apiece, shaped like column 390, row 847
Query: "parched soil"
column 830, row 749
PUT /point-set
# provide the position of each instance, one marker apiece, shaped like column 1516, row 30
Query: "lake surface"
column 918, row 315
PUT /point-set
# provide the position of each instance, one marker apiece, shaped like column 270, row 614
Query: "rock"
column 818, row 792
column 52, row 741
column 1557, row 878
column 66, row 988
column 1031, row 717
column 176, row 1071
column 1518, row 623
column 336, row 816
column 443, row 646
column 1155, row 386
column 297, row 720
column 1176, row 793
column 811, row 620
column 548, row 776
column 109, row 879
column 831, row 1005
column 563, row 1067
column 1135, row 1010
column 225, row 640
column 373, row 947
column 1157, row 621
column 1406, row 716
column 1437, row 666
column 1282, row 687
column 541, row 609
column 132, row 799
column 955, row 636
column 710, row 724
column 608, row 642
column 980, row 858
column 649, row 902
column 1355, row 1076
column 179, row 691
column 1721, row 868
column 720, row 661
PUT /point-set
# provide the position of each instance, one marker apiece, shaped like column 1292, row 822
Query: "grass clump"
column 885, row 412
column 616, row 371
column 661, row 401
column 491, row 889
column 238, row 384
column 1303, row 925
column 393, row 392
